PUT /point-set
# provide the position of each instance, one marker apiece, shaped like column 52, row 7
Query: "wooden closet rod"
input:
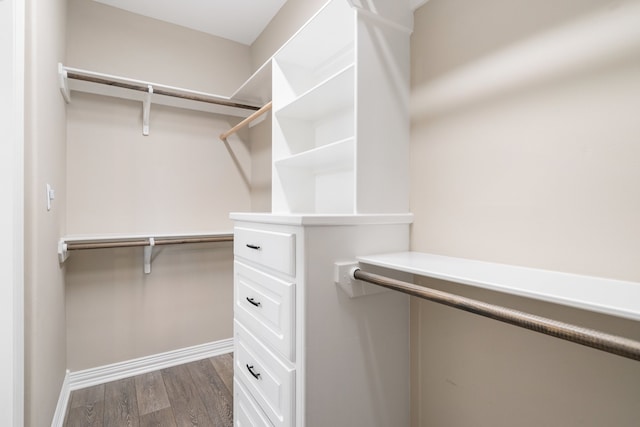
column 591, row 338
column 128, row 243
column 236, row 128
column 156, row 90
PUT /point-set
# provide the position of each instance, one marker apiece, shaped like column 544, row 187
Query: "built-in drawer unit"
column 272, row 249
column 265, row 305
column 268, row 380
column 246, row 411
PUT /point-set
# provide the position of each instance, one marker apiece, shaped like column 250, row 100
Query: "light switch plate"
column 51, row 194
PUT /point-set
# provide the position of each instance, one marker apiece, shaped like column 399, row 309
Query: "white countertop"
column 322, row 219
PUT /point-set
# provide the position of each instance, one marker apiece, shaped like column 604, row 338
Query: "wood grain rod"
column 614, row 344
column 158, row 91
column 128, row 243
column 252, row 117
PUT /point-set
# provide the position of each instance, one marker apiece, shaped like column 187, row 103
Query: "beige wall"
column 115, row 312
column 45, row 329
column 524, row 151
column 179, row 179
column 113, row 41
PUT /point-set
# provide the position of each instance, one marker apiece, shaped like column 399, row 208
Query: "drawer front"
column 246, row 412
column 269, row 381
column 265, row 305
column 269, row 248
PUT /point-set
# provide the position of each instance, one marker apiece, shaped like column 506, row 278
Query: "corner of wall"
column 45, row 160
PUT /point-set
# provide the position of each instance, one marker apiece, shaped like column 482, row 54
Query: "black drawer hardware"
column 254, row 302
column 255, row 374
column 250, row 246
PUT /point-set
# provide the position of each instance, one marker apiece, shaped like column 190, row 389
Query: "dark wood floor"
column 195, row 394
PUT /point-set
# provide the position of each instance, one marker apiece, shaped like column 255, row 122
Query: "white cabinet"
column 305, row 353
column 264, row 325
column 340, row 112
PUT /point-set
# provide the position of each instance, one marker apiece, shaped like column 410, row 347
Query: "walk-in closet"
column 313, row 213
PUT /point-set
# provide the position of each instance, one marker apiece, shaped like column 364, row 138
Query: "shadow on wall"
column 589, row 43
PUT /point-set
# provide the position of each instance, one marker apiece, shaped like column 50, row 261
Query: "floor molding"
column 63, row 402
column 116, row 371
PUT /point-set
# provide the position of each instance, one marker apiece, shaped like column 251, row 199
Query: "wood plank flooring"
column 194, row 394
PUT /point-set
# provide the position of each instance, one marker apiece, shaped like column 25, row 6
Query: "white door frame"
column 12, row 52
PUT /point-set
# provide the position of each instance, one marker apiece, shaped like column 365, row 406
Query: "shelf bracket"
column 146, row 107
column 63, row 83
column 148, row 251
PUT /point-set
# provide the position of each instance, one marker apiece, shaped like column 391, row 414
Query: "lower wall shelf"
column 613, row 297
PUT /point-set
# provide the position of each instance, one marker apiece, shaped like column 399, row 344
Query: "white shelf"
column 321, row 179
column 299, row 79
column 325, row 34
column 201, row 101
column 333, row 94
column 135, row 236
column 336, row 156
column 257, row 89
column 322, row 220
column 614, row 297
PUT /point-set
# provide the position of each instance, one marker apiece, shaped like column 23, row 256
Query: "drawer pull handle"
column 255, row 374
column 253, row 301
column 255, row 247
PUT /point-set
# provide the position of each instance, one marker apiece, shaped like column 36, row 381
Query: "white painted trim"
column 103, row 374
column 63, row 402
column 364, row 13
column 12, row 50
column 415, row 4
column 129, row 368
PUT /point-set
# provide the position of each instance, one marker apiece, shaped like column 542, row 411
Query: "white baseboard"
column 130, row 368
column 63, row 402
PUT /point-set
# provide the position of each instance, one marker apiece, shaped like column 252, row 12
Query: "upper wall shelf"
column 614, row 297
column 147, row 92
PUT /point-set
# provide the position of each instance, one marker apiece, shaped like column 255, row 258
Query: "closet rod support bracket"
column 148, row 251
column 146, row 108
column 354, row 288
column 63, row 253
column 63, row 82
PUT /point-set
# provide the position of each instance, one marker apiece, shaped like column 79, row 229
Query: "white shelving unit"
column 340, row 97
column 613, row 297
column 340, row 153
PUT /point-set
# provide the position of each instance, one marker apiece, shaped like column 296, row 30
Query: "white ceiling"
column 238, row 20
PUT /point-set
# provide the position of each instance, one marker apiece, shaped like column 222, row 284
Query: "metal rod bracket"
column 146, row 108
column 63, row 83
column 63, row 253
column 148, row 251
column 343, row 277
